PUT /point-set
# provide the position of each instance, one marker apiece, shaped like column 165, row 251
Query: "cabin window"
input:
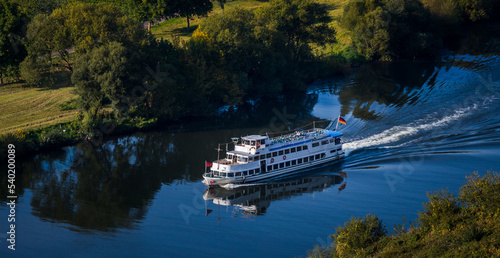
column 256, row 158
column 229, row 156
column 287, row 151
column 246, row 172
column 250, row 159
column 337, row 140
column 323, row 155
column 299, row 148
column 306, row 159
column 268, row 155
column 324, row 142
column 257, row 170
column 304, row 147
column 253, row 143
column 238, row 173
column 339, row 149
column 332, row 151
column 223, row 174
column 299, row 161
column 215, row 173
column 242, row 159
column 282, row 165
column 293, row 150
column 317, row 156
column 269, row 168
column 280, row 152
column 262, row 156
column 288, row 163
column 246, row 142
column 275, row 166
column 230, row 174
column 250, row 172
column 275, row 154
column 311, row 158
column 294, row 162
column 316, row 144
column 331, row 140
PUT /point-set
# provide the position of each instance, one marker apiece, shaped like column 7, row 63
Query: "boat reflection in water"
column 255, row 199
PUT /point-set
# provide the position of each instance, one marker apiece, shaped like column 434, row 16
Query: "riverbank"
column 466, row 224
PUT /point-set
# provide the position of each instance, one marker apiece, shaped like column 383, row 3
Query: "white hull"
column 274, row 173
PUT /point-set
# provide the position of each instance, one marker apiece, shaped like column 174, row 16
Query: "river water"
column 412, row 127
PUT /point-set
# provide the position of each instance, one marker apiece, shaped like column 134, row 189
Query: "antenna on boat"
column 218, row 156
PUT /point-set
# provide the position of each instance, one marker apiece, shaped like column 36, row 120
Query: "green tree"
column 100, row 74
column 387, row 29
column 79, row 27
column 12, row 32
column 189, row 8
column 147, row 10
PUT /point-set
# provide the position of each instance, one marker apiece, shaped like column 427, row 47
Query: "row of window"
column 295, row 161
column 237, row 174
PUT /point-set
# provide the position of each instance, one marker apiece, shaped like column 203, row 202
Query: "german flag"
column 342, row 121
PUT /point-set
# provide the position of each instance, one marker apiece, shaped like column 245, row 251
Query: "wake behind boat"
column 258, row 157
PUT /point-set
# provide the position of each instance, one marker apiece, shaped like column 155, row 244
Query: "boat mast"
column 218, row 156
column 337, row 123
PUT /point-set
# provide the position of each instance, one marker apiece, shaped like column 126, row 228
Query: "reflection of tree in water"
column 112, row 186
column 385, row 84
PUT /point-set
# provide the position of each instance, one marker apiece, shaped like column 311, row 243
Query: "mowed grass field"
column 32, row 108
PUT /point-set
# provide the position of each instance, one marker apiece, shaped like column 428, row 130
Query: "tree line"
column 122, row 74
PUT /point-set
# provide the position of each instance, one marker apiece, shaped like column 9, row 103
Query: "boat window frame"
column 245, row 173
column 230, row 174
column 287, row 151
column 237, row 174
column 315, row 144
column 331, row 140
column 305, row 147
column 299, row 148
column 292, row 150
column 311, row 158
column 275, row 166
column 299, row 161
column 306, row 159
column 287, row 163
column 268, row 155
column 294, row 162
column 269, row 168
column 250, row 159
column 282, row 164
column 317, row 156
column 325, row 142
column 263, row 156
column 275, row 154
column 280, row 153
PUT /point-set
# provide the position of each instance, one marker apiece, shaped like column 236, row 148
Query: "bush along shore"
column 467, row 225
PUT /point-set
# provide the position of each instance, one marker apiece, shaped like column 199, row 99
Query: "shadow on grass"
column 185, row 31
column 56, row 80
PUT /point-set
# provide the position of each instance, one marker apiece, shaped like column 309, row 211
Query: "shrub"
column 358, row 234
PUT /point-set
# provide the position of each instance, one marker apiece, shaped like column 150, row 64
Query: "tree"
column 79, row 27
column 189, row 8
column 147, row 10
column 386, row 29
column 12, row 32
column 99, row 74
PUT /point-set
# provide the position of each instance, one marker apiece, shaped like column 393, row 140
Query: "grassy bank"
column 455, row 226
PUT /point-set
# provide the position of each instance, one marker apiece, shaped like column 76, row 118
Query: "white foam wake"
column 396, row 133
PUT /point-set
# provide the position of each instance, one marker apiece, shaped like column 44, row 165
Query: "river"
column 412, row 127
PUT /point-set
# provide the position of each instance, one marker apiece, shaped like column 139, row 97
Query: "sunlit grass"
column 30, row 108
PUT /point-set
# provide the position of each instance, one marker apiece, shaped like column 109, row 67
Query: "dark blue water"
column 412, row 127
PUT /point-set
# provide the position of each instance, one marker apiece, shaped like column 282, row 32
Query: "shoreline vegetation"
column 74, row 71
column 454, row 226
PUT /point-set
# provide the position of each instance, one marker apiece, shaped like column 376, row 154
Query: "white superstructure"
column 257, row 157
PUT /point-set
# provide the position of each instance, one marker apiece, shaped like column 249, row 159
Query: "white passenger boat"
column 258, row 157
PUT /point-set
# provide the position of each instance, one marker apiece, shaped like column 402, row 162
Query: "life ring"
column 284, row 157
column 253, row 148
column 272, row 160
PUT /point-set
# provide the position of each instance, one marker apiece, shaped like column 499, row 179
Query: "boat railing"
column 298, row 136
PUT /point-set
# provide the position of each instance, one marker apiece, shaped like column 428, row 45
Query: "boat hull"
column 217, row 181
